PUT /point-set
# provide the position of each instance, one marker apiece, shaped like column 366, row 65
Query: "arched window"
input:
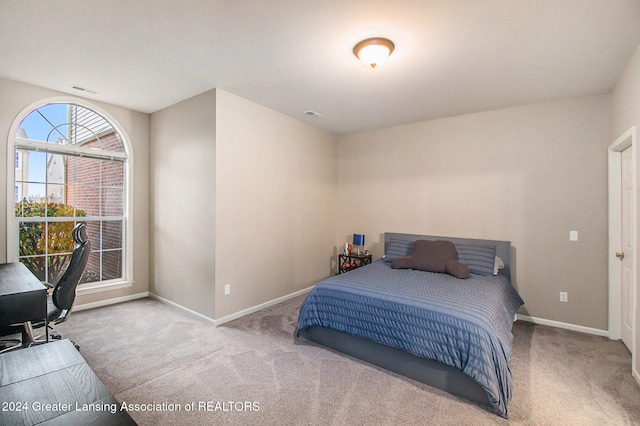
column 70, row 167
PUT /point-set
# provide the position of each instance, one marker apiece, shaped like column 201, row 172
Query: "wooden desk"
column 52, row 384
column 22, row 296
column 23, row 299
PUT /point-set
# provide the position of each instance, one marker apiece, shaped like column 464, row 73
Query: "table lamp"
column 358, row 240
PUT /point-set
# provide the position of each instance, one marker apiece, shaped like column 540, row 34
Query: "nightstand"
column 351, row 259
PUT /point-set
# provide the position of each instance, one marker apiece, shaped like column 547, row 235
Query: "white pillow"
column 498, row 264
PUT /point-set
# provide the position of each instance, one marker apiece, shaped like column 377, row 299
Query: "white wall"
column 183, row 188
column 18, row 96
column 625, row 107
column 276, row 181
column 528, row 174
column 241, row 195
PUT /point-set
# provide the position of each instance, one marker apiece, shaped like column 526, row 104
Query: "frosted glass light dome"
column 373, row 52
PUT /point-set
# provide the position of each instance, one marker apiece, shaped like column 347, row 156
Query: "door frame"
column 626, row 140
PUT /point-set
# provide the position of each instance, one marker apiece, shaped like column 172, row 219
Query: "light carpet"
column 253, row 371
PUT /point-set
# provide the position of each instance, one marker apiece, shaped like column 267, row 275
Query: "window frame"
column 127, row 157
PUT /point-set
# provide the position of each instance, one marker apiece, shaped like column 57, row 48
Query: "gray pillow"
column 431, row 256
column 457, row 269
column 480, row 259
column 402, row 262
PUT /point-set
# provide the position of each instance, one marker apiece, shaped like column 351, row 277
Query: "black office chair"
column 61, row 299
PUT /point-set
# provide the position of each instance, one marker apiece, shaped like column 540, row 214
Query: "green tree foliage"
column 57, row 239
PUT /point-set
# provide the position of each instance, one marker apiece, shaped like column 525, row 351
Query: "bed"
column 450, row 333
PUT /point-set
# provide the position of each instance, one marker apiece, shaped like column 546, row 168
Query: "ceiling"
column 452, row 57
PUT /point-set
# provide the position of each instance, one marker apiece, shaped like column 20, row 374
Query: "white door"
column 626, row 255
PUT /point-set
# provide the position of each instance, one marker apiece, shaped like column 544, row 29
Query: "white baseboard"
column 182, row 308
column 566, row 326
column 262, row 306
column 236, row 315
column 108, row 302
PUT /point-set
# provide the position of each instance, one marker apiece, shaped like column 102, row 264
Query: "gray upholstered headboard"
column 503, row 248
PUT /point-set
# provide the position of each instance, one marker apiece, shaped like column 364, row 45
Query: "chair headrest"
column 79, row 233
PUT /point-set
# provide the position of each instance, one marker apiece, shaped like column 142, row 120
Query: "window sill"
column 104, row 286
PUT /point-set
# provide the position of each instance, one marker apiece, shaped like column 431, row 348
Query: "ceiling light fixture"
column 373, row 52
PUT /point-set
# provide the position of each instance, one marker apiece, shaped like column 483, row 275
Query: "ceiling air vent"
column 311, row 113
column 82, row 89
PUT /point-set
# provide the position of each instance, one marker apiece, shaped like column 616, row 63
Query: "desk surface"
column 17, row 278
column 52, row 384
column 22, row 296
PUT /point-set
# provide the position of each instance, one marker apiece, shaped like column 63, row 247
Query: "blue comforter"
column 461, row 323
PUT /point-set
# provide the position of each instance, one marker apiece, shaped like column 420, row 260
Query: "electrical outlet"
column 564, row 296
column 573, row 235
column 227, row 289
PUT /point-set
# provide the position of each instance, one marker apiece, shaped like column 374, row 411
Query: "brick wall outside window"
column 97, row 188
